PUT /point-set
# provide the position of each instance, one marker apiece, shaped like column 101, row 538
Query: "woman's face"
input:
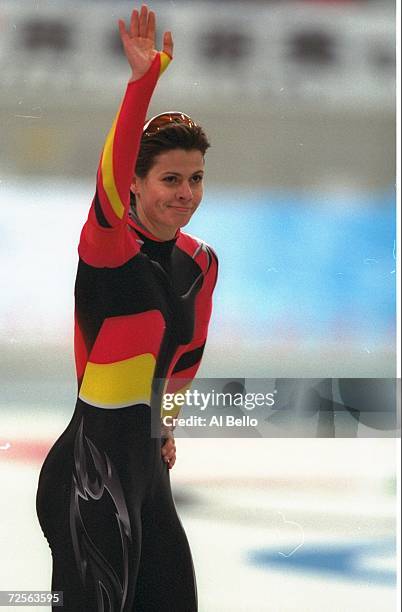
column 170, row 193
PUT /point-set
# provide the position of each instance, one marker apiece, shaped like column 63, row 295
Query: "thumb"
column 168, row 43
column 122, row 29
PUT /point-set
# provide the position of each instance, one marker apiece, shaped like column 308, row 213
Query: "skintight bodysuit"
column 142, row 308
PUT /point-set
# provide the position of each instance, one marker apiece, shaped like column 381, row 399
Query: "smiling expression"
column 170, row 193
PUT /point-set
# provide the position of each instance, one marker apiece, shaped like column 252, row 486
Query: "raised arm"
column 117, row 163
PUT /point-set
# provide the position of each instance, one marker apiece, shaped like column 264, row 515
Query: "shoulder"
column 109, row 247
column 199, row 250
column 193, row 245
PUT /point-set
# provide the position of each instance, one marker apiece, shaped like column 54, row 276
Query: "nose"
column 184, row 192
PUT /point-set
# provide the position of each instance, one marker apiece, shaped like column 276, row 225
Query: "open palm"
column 139, row 41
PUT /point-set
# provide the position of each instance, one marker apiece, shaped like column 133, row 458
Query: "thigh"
column 66, row 578
column 90, row 514
column 166, row 579
column 95, row 580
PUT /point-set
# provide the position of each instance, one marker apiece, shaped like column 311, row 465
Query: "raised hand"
column 139, row 41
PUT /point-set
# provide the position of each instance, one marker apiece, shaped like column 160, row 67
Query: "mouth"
column 181, row 209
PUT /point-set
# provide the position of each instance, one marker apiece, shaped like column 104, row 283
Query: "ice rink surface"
column 274, row 525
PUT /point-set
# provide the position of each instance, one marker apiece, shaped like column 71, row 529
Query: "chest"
column 147, row 282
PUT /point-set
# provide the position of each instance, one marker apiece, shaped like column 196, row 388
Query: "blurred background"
column 298, row 99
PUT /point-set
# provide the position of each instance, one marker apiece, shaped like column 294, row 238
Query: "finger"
column 168, row 447
column 171, row 463
column 169, row 452
column 151, row 26
column 143, row 21
column 168, row 43
column 134, row 24
column 169, row 443
column 122, row 29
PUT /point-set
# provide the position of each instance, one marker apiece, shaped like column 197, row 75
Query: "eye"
column 170, row 179
column 197, row 178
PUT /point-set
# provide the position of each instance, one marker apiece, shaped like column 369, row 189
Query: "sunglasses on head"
column 163, row 120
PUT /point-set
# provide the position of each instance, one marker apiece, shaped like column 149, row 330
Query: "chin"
column 185, row 222
column 180, row 219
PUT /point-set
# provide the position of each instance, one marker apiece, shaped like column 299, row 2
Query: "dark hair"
column 173, row 136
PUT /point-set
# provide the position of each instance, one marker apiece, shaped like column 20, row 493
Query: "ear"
column 134, row 184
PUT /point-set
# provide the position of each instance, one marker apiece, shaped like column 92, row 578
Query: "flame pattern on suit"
column 110, row 589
